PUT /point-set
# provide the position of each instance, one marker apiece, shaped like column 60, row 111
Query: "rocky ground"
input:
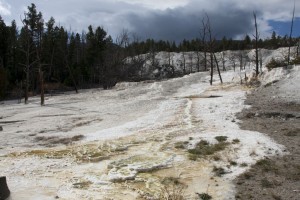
column 277, row 115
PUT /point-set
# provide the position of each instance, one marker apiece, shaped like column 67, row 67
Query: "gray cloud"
column 180, row 23
column 167, row 20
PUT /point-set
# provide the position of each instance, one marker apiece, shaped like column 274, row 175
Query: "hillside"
column 171, row 64
column 139, row 140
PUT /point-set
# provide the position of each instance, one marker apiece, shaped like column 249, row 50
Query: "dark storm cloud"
column 178, row 24
column 167, row 20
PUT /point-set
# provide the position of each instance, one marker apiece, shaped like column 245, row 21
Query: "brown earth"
column 278, row 117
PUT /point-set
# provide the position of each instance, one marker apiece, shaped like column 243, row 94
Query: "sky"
column 172, row 20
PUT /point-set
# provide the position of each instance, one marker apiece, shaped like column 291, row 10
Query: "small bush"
column 216, row 158
column 267, row 165
column 172, row 190
column 235, row 141
column 292, row 133
column 193, row 157
column 248, row 175
column 296, row 61
column 179, row 145
column 204, row 148
column 274, row 64
column 219, row 171
column 233, row 163
column 221, row 138
column 204, row 196
column 266, row 183
column 244, row 165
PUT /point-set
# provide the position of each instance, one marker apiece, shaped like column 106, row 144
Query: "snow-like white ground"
column 129, row 133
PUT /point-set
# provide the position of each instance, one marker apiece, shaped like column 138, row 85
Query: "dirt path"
column 278, row 116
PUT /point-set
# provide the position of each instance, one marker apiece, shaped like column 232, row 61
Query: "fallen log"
column 4, row 191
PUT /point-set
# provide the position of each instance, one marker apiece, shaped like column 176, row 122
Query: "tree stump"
column 4, row 191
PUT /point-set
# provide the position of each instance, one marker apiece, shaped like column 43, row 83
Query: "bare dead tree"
column 203, row 42
column 138, row 59
column 260, row 60
column 198, row 60
column 29, row 52
column 210, row 49
column 291, row 32
column 210, row 45
column 184, row 63
column 223, row 60
column 39, row 33
column 33, row 28
column 232, row 59
column 191, row 62
column 122, row 40
column 218, row 68
column 256, row 37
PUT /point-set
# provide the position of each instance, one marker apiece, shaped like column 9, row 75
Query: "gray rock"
column 1, row 129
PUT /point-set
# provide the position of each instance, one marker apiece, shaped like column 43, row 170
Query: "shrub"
column 296, row 61
column 172, row 190
column 274, row 64
column 204, row 148
column 267, row 165
column 233, row 163
column 204, row 196
column 235, row 141
column 219, row 171
column 221, row 138
column 180, row 145
column 265, row 183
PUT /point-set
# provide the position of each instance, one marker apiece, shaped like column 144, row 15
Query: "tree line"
column 42, row 57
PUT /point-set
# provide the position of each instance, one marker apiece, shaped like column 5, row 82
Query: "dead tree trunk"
column 184, row 66
column 218, row 69
column 223, row 61
column 203, row 42
column 211, row 68
column 41, row 77
column 191, row 63
column 256, row 45
column 241, row 61
column 290, row 40
column 212, row 53
column 27, row 66
column 198, row 62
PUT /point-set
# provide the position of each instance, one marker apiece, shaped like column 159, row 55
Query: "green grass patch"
column 203, row 148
